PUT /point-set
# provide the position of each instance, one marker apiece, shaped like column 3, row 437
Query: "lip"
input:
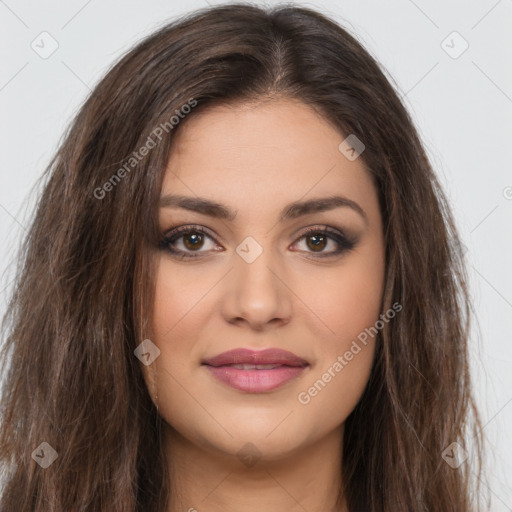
column 228, row 368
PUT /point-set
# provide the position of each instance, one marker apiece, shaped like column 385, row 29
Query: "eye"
column 188, row 239
column 193, row 241
column 316, row 239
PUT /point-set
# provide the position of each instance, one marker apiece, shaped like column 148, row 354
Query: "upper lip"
column 247, row 356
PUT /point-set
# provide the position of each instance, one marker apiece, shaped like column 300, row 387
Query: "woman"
column 242, row 290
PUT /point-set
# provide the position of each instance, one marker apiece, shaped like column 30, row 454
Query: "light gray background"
column 462, row 106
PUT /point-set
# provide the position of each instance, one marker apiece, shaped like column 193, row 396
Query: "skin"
column 255, row 159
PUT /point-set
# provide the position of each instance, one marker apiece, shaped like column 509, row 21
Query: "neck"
column 205, row 479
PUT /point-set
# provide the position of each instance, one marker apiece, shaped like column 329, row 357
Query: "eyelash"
column 344, row 242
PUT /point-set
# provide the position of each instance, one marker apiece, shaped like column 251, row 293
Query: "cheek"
column 175, row 295
column 348, row 302
column 182, row 303
column 170, row 324
column 346, row 299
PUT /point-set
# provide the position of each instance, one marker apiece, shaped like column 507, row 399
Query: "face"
column 263, row 265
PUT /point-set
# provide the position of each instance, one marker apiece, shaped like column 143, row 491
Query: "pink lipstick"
column 256, row 371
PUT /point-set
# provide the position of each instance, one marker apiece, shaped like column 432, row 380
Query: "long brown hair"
column 84, row 286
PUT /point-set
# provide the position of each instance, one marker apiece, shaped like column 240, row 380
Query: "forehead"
column 261, row 154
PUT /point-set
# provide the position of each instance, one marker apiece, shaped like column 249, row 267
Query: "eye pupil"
column 319, row 242
column 193, row 240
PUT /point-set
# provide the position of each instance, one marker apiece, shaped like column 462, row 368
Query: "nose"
column 256, row 294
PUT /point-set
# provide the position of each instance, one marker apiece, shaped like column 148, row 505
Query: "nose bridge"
column 255, row 293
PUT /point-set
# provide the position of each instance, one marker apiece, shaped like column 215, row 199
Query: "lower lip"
column 255, row 381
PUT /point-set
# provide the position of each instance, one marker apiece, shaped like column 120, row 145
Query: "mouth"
column 256, row 371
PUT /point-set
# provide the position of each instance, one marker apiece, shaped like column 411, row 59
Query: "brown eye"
column 324, row 242
column 184, row 241
column 316, row 242
column 193, row 241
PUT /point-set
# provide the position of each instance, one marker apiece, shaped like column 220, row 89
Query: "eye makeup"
column 193, row 236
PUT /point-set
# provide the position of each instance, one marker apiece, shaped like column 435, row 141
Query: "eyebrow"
column 291, row 211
